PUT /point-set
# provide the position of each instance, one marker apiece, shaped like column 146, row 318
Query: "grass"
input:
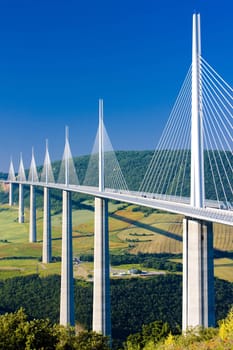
column 130, row 230
column 223, row 268
column 22, row 267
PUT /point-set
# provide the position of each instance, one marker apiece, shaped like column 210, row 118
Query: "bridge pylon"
column 47, row 239
column 67, row 280
column 32, row 177
column 11, row 177
column 21, row 178
column 198, row 275
column 101, row 293
column 32, row 220
column 21, row 204
column 47, row 230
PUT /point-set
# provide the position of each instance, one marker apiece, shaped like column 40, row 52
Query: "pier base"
column 198, row 274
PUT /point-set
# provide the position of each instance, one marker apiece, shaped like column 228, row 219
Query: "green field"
column 130, row 231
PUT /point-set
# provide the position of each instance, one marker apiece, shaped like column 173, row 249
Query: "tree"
column 19, row 333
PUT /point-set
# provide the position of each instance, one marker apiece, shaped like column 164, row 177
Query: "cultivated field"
column 130, row 231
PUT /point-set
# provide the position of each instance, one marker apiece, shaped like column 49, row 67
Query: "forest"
column 135, row 302
column 139, row 306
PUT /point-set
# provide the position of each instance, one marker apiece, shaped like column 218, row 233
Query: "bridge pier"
column 10, row 194
column 67, row 281
column 32, row 223
column 47, row 244
column 21, row 204
column 101, row 292
column 198, row 274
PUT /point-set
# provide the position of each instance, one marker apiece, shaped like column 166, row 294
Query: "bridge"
column 198, row 135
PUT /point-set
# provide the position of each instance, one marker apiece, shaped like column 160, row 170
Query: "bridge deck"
column 207, row 213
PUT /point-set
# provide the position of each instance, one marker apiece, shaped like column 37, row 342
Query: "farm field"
column 131, row 230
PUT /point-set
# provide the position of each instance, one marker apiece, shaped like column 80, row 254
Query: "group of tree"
column 158, row 336
column 134, row 302
column 160, row 261
column 18, row 332
column 156, row 261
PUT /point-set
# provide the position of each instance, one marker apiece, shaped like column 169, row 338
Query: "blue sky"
column 57, row 58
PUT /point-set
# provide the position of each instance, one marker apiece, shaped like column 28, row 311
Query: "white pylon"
column 67, row 316
column 11, row 177
column 21, row 178
column 33, row 176
column 47, row 238
column 198, row 277
column 101, row 288
column 21, row 172
column 197, row 158
column 101, row 147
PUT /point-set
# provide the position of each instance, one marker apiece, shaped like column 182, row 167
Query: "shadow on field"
column 79, row 236
column 148, row 227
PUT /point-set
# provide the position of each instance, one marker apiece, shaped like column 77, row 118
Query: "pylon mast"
column 197, row 157
column 101, row 147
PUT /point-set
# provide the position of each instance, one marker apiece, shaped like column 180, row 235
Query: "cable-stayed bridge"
column 190, row 173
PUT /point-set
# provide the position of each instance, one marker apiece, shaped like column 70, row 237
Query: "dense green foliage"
column 155, row 261
column 156, row 336
column 134, row 301
column 154, row 331
column 17, row 332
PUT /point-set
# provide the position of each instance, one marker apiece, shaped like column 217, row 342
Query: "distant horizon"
column 58, row 59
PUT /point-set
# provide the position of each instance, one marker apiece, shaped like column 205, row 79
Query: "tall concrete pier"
column 67, row 281
column 101, row 292
column 11, row 177
column 47, row 243
column 21, row 178
column 21, row 204
column 198, row 275
column 33, row 177
column 47, row 176
column 32, row 220
column 10, row 194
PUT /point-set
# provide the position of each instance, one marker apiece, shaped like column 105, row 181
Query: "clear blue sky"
column 57, row 58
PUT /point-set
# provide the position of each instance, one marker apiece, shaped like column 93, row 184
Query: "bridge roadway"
column 207, row 214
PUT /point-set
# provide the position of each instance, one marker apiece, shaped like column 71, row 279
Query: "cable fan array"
column 217, row 100
column 114, row 179
column 113, row 176
column 168, row 174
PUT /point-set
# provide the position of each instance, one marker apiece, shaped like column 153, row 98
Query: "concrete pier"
column 47, row 239
column 10, row 194
column 32, row 221
column 101, row 293
column 67, row 281
column 198, row 274
column 21, row 204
